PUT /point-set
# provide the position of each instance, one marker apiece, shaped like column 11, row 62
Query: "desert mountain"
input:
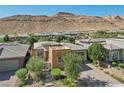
column 59, row 22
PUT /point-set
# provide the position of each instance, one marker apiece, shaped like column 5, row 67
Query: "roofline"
column 11, row 57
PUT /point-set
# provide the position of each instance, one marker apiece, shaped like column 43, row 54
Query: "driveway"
column 7, row 79
column 95, row 75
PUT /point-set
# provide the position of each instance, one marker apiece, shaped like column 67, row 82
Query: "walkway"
column 98, row 76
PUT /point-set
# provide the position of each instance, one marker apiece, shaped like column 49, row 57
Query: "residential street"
column 98, row 76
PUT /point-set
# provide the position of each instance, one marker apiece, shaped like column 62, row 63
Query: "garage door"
column 7, row 65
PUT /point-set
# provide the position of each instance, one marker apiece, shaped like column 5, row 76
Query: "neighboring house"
column 52, row 51
column 113, row 53
column 13, row 56
column 113, row 47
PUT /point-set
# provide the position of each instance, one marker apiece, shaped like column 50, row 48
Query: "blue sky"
column 96, row 10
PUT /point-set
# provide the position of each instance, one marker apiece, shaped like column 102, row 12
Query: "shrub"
column 35, row 65
column 22, row 74
column 106, row 72
column 114, row 63
column 6, row 38
column 68, row 81
column 55, row 73
column 65, row 81
column 121, row 65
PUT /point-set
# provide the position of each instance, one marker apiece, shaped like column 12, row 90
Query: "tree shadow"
column 91, row 82
column 85, row 67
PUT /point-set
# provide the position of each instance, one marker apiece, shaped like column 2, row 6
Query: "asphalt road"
column 7, row 79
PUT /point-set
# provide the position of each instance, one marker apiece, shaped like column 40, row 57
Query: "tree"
column 31, row 39
column 6, row 38
column 55, row 73
column 72, row 65
column 22, row 74
column 101, row 32
column 59, row 38
column 35, row 65
column 71, row 39
column 96, row 52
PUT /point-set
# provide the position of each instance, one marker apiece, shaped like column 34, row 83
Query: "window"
column 40, row 53
column 114, row 55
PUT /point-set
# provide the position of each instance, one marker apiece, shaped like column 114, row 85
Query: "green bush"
column 121, row 65
column 65, row 81
column 114, row 63
column 55, row 73
column 35, row 65
column 22, row 74
column 68, row 81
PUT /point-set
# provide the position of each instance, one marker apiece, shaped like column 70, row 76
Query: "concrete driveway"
column 93, row 74
column 7, row 79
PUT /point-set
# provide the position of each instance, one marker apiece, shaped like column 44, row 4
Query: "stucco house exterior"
column 13, row 56
column 114, row 47
column 113, row 53
column 52, row 52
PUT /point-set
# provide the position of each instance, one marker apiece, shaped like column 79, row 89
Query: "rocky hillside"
column 58, row 23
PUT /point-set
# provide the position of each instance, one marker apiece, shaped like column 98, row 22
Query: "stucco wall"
column 54, row 55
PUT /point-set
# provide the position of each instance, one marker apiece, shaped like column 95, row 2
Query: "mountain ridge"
column 59, row 22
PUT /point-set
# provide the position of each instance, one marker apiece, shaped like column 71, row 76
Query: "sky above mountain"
column 93, row 10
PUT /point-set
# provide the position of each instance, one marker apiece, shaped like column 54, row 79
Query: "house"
column 52, row 52
column 41, row 49
column 55, row 55
column 13, row 56
column 114, row 47
column 113, row 53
